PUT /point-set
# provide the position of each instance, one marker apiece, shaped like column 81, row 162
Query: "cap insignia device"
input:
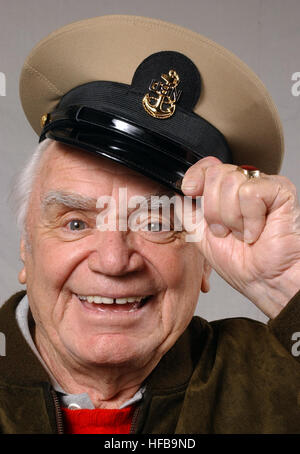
column 161, row 101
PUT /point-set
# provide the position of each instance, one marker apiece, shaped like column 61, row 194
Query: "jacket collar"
column 19, row 366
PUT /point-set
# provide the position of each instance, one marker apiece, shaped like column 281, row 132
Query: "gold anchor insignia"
column 44, row 119
column 163, row 103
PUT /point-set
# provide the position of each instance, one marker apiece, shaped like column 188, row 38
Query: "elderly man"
column 105, row 341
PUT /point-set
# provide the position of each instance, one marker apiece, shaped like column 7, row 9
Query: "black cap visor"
column 126, row 151
column 153, row 154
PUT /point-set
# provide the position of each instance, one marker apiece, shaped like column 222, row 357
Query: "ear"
column 205, row 287
column 22, row 273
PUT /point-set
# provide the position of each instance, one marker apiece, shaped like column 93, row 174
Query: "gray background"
column 263, row 33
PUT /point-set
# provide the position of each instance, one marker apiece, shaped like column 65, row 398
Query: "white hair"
column 23, row 185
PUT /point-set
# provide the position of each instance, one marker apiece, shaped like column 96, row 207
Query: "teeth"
column 122, row 300
column 105, row 300
column 133, row 300
column 82, row 298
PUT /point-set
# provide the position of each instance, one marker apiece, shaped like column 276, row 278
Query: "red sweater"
column 98, row 421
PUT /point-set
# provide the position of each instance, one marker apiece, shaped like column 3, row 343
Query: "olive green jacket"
column 229, row 376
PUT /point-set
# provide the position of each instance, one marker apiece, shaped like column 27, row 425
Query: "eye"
column 156, row 227
column 76, row 224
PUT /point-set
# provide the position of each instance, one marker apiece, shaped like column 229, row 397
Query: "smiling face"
column 71, row 267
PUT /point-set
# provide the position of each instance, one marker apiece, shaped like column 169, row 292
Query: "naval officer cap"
column 150, row 95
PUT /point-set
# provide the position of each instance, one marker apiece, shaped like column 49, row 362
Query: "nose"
column 113, row 255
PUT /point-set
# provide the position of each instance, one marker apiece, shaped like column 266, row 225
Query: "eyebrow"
column 69, row 200
column 77, row 201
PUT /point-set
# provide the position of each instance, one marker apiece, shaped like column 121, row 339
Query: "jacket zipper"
column 134, row 420
column 58, row 413
column 59, row 418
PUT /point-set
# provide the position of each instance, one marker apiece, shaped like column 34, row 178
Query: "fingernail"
column 218, row 230
column 248, row 237
column 189, row 185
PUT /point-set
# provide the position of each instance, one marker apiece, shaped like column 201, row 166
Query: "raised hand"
column 251, row 231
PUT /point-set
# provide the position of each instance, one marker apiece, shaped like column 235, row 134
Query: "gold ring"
column 249, row 173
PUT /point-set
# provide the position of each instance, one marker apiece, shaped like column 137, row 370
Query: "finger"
column 214, row 177
column 229, row 206
column 260, row 197
column 255, row 196
column 193, row 181
column 284, row 185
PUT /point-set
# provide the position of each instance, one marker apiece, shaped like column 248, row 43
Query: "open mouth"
column 125, row 304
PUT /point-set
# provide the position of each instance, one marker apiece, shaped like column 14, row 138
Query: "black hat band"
column 191, row 136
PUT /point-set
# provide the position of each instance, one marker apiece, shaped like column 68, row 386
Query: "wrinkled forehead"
column 69, row 169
